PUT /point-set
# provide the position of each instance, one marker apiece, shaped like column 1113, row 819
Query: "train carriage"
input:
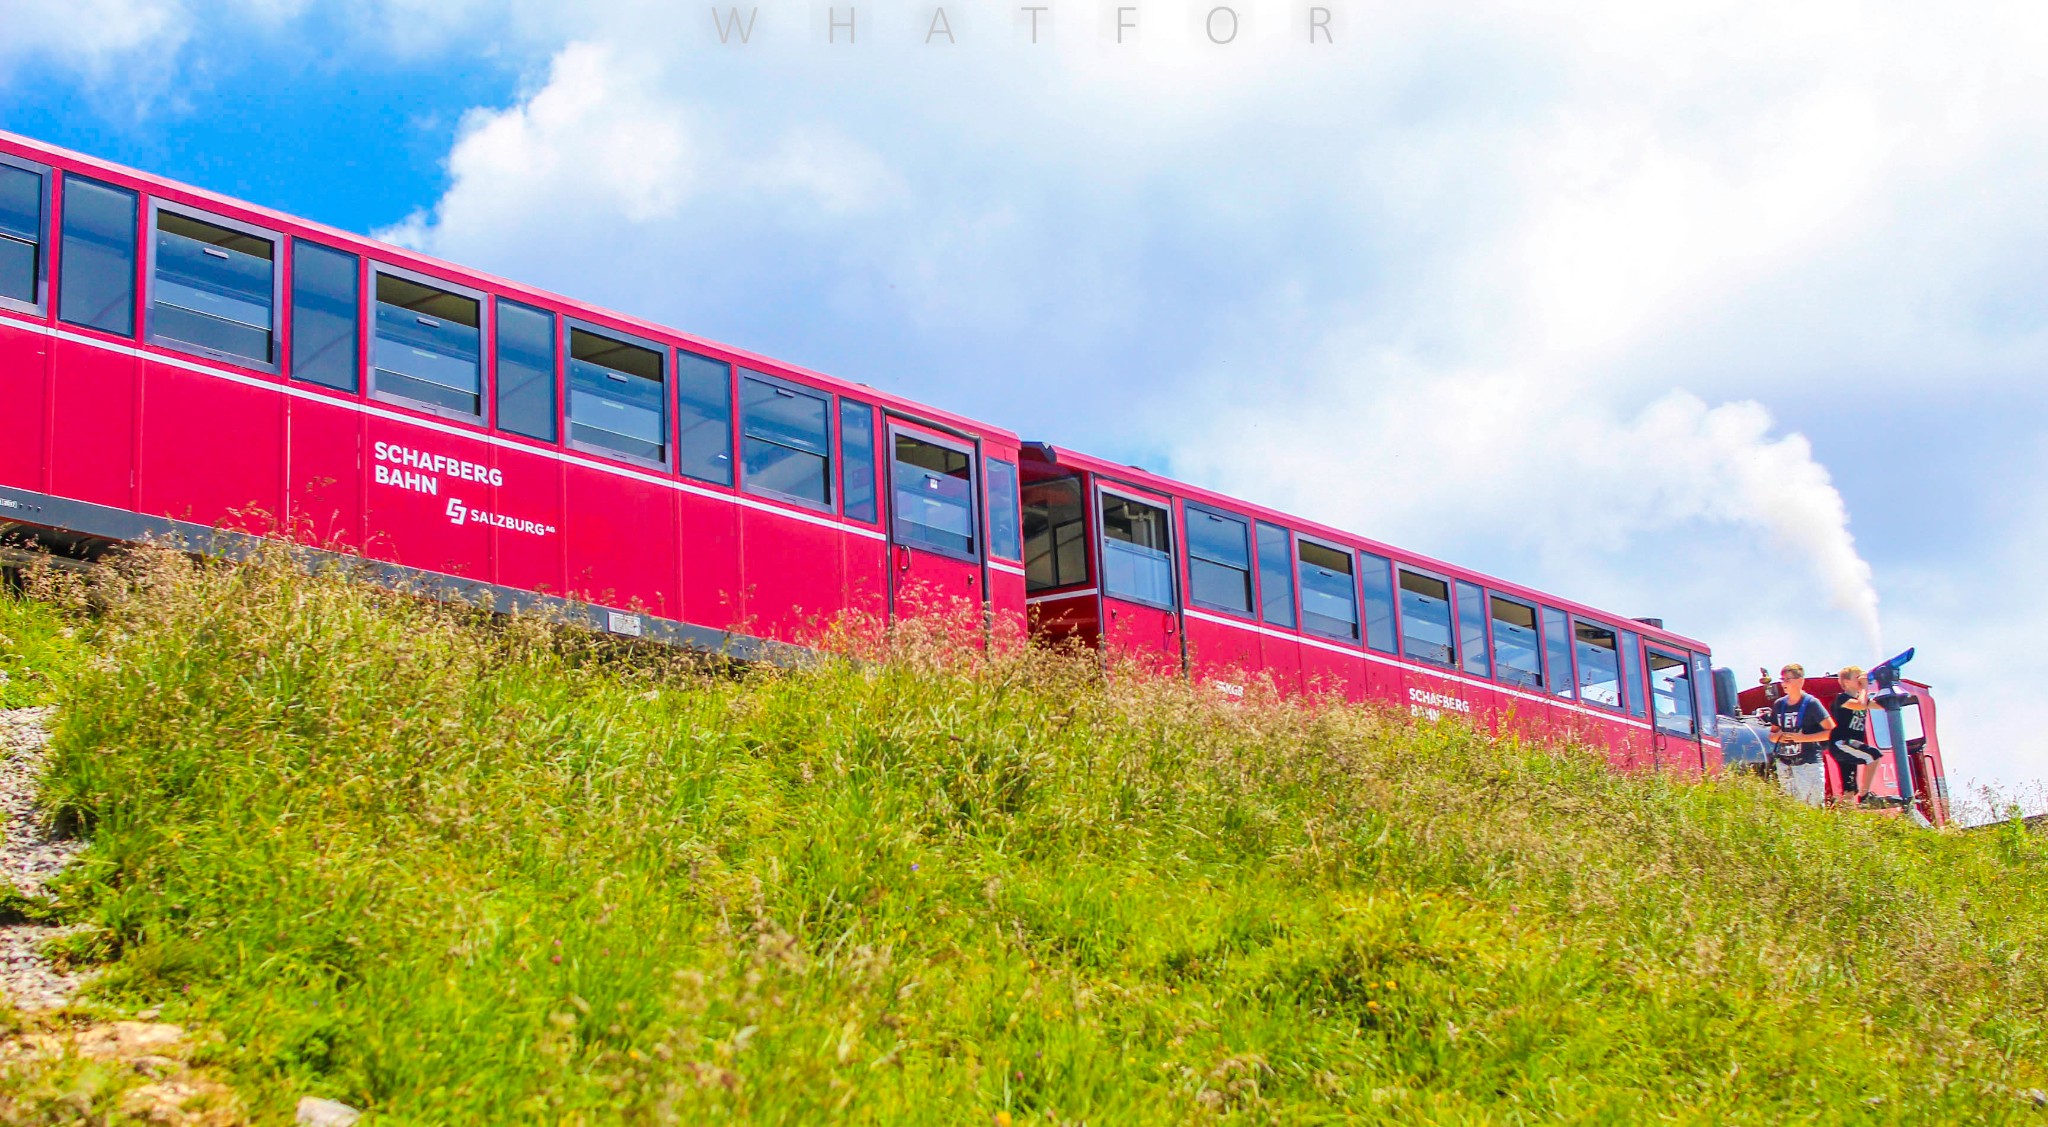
column 1175, row 577
column 174, row 361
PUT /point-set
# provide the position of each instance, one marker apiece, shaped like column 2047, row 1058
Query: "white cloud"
column 91, row 36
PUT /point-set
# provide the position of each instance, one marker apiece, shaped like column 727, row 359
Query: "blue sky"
column 1730, row 315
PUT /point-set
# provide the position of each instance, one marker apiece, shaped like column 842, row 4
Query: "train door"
column 1674, row 715
column 1061, row 601
column 25, row 293
column 1279, row 646
column 1005, row 554
column 1222, row 642
column 1518, row 668
column 934, row 545
column 1139, row 616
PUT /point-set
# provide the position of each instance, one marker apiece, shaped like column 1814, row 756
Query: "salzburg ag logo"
column 459, row 513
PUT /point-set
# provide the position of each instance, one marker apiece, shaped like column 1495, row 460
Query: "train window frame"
column 1357, row 635
column 977, row 539
column 1264, row 537
column 1480, row 616
column 67, row 255
column 1190, row 512
column 495, row 374
column 1535, row 629
column 570, row 326
column 851, row 480
column 826, row 453
column 40, row 258
column 152, row 333
column 354, row 336
column 486, row 334
column 1379, row 599
column 1634, row 674
column 1074, row 484
column 1620, row 675
column 1704, row 693
column 1450, row 621
column 1012, row 476
column 690, row 416
column 1558, row 643
column 1164, row 504
column 1683, row 660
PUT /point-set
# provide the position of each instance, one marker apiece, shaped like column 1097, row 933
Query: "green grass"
column 37, row 648
column 458, row 871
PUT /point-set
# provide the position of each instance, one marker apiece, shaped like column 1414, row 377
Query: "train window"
column 21, row 237
column 1703, row 677
column 1137, row 552
column 325, row 284
column 1276, row 576
column 933, row 495
column 618, row 400
column 1004, row 540
column 1517, row 648
column 97, row 286
column 426, row 347
column 1631, row 673
column 1472, row 631
column 786, row 441
column 1671, row 692
column 213, row 289
column 1557, row 653
column 526, row 370
column 1426, row 618
column 704, row 418
column 1595, row 648
column 1329, row 597
column 857, row 459
column 1378, row 582
column 1219, row 561
column 1055, row 544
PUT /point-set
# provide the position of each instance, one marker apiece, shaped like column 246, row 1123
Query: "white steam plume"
column 1496, row 466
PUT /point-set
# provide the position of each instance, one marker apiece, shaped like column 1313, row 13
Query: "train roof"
column 1146, row 479
column 395, row 255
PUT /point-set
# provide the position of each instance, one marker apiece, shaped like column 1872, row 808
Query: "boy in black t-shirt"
column 1799, row 725
column 1854, row 758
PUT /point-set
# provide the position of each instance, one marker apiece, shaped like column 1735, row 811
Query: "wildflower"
column 1002, row 1119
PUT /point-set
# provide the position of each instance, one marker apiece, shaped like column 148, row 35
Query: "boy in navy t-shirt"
column 1800, row 725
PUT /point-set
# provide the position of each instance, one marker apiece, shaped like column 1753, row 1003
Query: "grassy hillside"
column 461, row 872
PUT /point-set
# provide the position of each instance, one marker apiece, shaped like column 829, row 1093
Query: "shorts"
column 1847, row 758
column 1807, row 782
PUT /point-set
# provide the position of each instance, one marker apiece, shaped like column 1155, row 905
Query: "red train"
column 175, row 361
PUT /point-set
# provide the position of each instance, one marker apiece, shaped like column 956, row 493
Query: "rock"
column 128, row 1038
column 316, row 1112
